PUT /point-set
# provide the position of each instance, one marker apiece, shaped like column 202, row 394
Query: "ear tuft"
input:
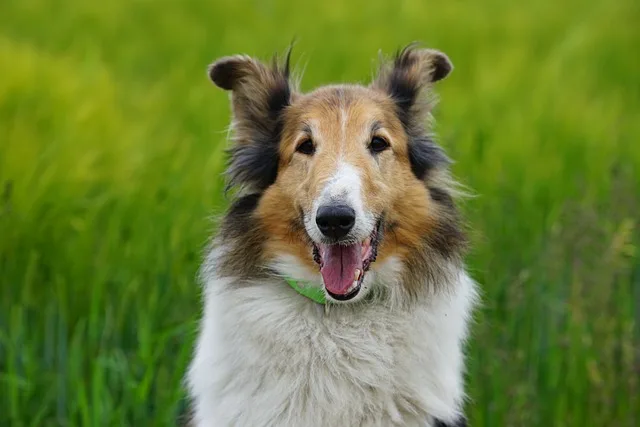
column 442, row 66
column 412, row 70
column 226, row 71
column 423, row 66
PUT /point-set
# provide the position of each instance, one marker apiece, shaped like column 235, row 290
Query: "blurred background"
column 111, row 152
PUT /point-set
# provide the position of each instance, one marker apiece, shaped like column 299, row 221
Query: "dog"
column 335, row 290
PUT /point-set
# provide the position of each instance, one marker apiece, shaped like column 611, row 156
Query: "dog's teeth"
column 356, row 277
column 353, row 286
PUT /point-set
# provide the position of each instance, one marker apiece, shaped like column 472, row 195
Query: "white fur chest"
column 267, row 356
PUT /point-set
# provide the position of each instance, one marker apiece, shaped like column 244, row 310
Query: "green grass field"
column 111, row 153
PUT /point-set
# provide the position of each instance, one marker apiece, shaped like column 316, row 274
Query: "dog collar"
column 313, row 293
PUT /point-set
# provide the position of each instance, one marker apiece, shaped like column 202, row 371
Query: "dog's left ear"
column 412, row 71
column 407, row 81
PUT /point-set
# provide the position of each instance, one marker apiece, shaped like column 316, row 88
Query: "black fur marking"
column 286, row 66
column 280, row 96
column 447, row 239
column 239, row 228
column 425, row 155
column 401, row 87
column 404, row 95
column 255, row 163
column 238, row 218
column 445, row 243
column 442, row 197
column 462, row 422
column 442, row 68
column 225, row 73
column 244, row 205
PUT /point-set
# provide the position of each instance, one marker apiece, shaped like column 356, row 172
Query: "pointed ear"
column 411, row 72
column 259, row 95
column 407, row 80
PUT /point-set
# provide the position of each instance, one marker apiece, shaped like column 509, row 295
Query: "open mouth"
column 344, row 265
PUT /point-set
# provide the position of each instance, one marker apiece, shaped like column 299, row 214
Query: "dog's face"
column 343, row 172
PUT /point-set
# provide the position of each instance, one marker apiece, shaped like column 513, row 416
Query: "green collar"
column 308, row 290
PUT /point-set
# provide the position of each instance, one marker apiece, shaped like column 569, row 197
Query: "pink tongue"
column 339, row 264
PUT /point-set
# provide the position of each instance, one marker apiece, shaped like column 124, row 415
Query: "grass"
column 111, row 152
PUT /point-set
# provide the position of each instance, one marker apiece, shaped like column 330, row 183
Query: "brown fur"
column 403, row 185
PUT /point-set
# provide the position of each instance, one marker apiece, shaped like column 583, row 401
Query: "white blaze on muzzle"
column 344, row 188
column 342, row 227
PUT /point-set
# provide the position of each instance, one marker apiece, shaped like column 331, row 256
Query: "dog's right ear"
column 259, row 95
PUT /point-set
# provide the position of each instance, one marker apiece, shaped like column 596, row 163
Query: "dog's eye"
column 378, row 144
column 306, row 147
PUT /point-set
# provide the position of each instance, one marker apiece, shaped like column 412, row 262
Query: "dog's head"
column 345, row 175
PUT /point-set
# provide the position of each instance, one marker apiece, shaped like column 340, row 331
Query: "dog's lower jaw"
column 266, row 356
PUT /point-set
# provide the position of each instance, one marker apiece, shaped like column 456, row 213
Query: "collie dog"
column 335, row 292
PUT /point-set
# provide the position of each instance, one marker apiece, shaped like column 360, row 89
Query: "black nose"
column 335, row 221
